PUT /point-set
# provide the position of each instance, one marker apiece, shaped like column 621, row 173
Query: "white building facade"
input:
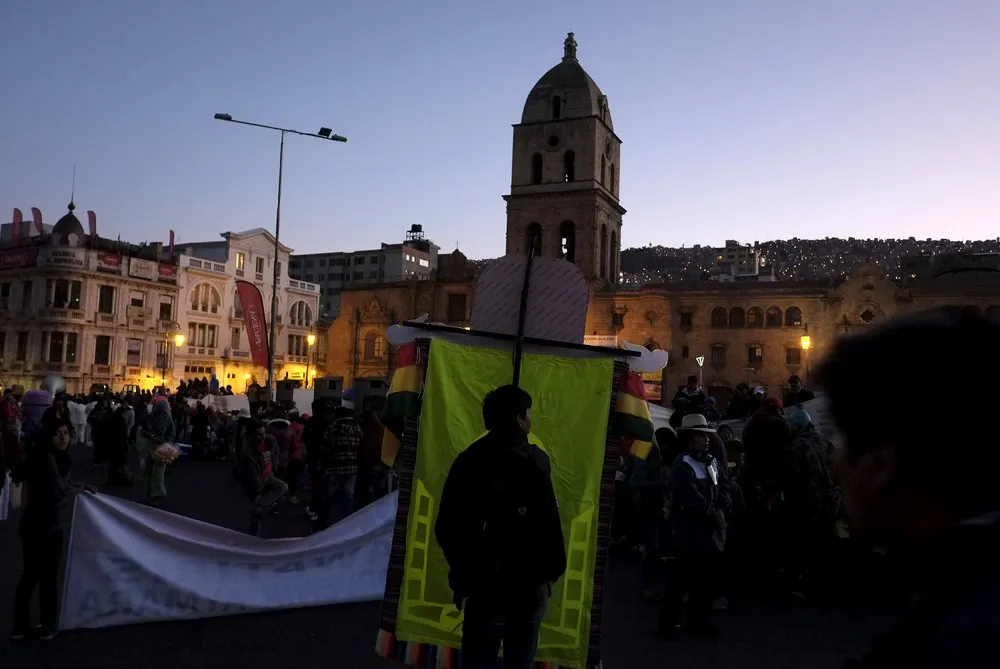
column 210, row 315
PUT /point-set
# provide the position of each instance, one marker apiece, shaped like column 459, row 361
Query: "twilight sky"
column 743, row 119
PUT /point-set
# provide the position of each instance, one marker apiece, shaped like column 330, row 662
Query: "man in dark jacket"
column 924, row 481
column 500, row 532
column 688, row 400
column 797, row 393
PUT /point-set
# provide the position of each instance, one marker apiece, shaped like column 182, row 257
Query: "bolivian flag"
column 402, row 401
column 631, row 418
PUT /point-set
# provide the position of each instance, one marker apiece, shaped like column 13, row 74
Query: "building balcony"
column 198, row 309
column 104, row 319
column 62, row 314
column 201, row 350
column 100, row 370
column 57, row 367
column 238, row 354
column 303, row 286
column 237, row 312
column 205, row 265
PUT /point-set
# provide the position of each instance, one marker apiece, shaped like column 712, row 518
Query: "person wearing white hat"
column 699, row 512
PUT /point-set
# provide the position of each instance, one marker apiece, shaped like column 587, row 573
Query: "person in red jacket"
column 296, row 456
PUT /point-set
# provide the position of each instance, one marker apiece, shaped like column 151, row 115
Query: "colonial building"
column 99, row 311
column 564, row 202
column 89, row 309
column 211, row 316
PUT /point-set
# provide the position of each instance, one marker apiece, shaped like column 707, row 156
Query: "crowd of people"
column 330, row 460
column 713, row 511
column 709, row 509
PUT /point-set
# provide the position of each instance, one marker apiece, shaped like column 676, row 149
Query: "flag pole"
column 522, row 316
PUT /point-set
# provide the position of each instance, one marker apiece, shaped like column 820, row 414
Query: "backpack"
column 521, row 540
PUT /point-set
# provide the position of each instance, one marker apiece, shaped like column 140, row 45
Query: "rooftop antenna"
column 72, row 188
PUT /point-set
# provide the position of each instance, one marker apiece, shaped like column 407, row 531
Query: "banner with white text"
column 128, row 564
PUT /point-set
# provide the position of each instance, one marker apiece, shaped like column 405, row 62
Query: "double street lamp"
column 322, row 133
column 310, row 340
column 171, row 334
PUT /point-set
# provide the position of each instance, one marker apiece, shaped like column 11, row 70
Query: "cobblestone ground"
column 765, row 634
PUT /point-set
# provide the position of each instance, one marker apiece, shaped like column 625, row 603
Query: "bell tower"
column 563, row 199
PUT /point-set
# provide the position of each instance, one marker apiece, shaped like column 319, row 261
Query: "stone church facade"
column 563, row 201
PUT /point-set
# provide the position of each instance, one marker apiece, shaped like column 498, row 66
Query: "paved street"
column 756, row 634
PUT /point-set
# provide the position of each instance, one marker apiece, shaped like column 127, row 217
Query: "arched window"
column 556, row 107
column 613, row 260
column 737, row 318
column 534, row 240
column 603, row 263
column 772, row 318
column 205, row 298
column 569, row 166
column 755, row 317
column 536, row 168
column 374, row 346
column 567, row 241
column 719, row 319
column 604, row 169
column 793, row 316
column 993, row 312
column 300, row 314
column 611, row 180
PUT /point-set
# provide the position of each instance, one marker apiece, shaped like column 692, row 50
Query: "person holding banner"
column 46, row 476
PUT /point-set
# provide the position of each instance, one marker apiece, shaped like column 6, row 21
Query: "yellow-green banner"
column 571, row 401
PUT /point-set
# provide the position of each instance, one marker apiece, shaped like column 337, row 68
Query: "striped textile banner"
column 402, row 400
column 631, row 418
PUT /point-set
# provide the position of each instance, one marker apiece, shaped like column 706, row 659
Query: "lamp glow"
column 310, row 339
column 806, row 342
column 179, row 340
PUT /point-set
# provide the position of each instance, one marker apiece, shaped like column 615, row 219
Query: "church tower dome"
column 566, row 91
column 563, row 199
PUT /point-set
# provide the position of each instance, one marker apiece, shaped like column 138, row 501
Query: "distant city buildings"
column 415, row 258
column 829, row 259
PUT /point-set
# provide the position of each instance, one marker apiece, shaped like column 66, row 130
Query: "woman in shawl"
column 159, row 429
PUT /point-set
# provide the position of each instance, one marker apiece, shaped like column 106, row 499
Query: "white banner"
column 128, row 564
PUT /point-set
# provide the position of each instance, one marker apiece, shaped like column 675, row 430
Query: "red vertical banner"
column 253, row 319
column 92, row 221
column 15, row 227
column 36, row 215
column 171, row 246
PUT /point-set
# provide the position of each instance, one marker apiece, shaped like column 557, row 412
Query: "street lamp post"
column 701, row 368
column 805, row 342
column 323, row 133
column 310, row 340
column 173, row 333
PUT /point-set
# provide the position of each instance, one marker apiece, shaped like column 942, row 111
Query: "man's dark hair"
column 256, row 424
column 503, row 406
column 933, row 362
column 692, row 378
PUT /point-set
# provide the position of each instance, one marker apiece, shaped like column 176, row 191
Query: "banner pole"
column 522, row 316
